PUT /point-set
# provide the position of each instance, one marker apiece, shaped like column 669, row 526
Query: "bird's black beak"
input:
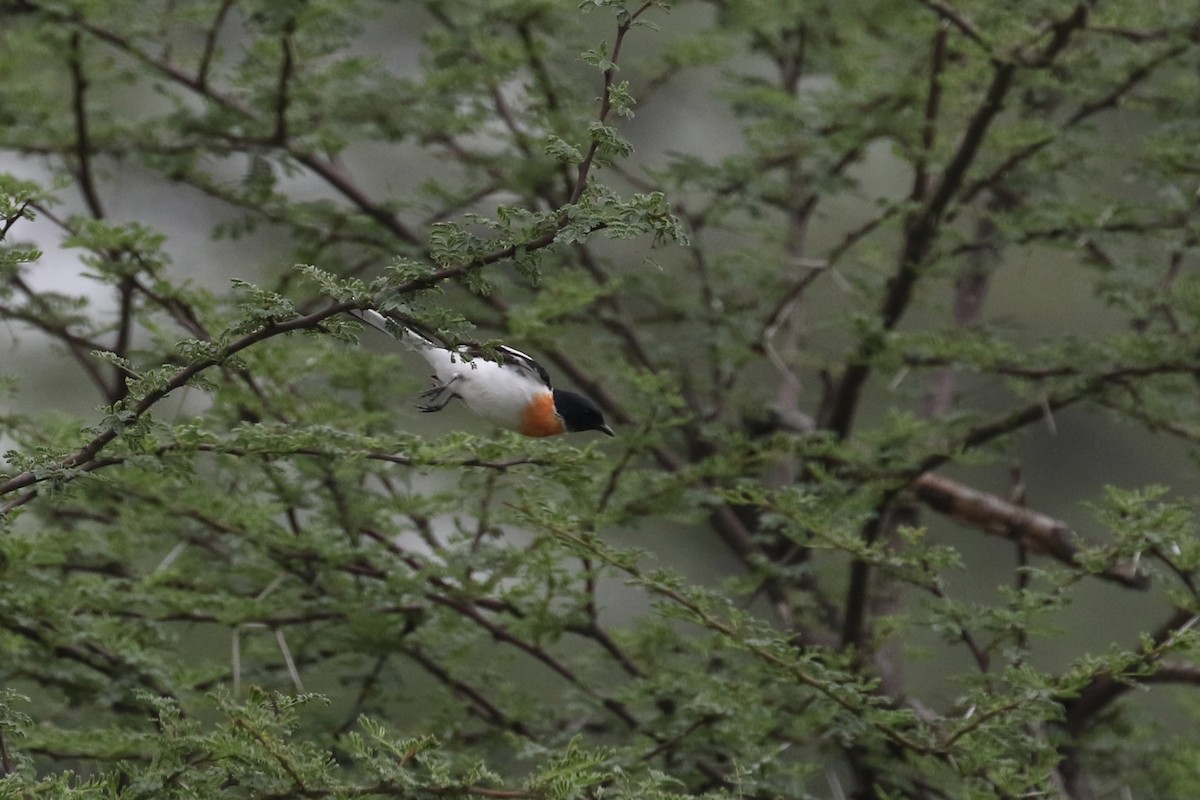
column 604, row 428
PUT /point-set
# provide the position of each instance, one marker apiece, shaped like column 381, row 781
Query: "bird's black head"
column 579, row 413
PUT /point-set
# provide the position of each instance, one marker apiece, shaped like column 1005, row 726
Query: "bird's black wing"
column 423, row 338
column 510, row 355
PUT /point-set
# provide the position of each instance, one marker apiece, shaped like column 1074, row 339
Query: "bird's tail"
column 446, row 363
column 397, row 331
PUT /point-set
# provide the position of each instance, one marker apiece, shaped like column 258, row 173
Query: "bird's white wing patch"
column 516, row 358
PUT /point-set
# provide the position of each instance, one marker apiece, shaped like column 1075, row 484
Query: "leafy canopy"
column 832, row 270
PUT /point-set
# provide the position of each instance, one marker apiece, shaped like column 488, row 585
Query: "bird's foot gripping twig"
column 436, row 398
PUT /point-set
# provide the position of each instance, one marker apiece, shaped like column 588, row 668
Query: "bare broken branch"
column 994, row 515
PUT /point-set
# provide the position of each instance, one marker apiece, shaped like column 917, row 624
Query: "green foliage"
column 829, row 268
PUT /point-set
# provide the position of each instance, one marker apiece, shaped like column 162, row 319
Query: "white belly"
column 499, row 395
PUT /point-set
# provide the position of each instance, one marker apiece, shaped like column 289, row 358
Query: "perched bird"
column 513, row 393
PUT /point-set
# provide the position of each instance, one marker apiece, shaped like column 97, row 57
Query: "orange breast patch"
column 540, row 419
